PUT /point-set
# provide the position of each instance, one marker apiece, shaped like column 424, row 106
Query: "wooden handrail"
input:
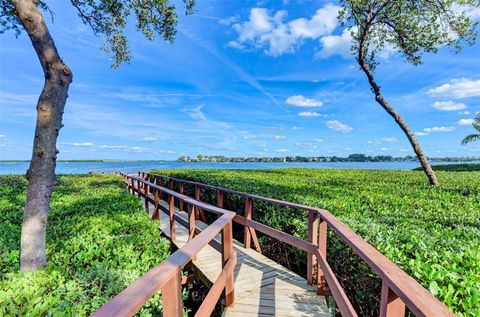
column 166, row 276
column 396, row 283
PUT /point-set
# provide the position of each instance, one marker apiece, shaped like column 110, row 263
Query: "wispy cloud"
column 78, row 144
column 150, row 139
column 438, row 129
column 229, row 63
column 338, row 126
column 310, row 114
column 448, row 105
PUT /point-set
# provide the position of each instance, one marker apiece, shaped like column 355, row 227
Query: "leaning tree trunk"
column 41, row 174
column 432, row 178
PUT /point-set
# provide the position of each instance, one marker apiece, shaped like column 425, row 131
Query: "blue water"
column 109, row 167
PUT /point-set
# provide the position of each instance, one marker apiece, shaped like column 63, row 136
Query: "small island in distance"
column 356, row 157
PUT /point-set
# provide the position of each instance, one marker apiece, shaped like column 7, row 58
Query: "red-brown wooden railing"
column 399, row 290
column 167, row 275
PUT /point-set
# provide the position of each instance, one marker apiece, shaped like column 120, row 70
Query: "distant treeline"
column 351, row 158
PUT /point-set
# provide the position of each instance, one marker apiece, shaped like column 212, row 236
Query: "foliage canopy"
column 410, row 27
column 109, row 18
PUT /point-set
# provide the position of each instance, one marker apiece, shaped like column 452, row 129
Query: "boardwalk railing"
column 399, row 290
column 166, row 276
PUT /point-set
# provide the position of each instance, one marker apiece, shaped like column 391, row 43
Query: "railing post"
column 322, row 248
column 247, row 237
column 160, row 182
column 197, row 197
column 312, row 238
column 182, row 189
column 191, row 225
column 171, row 211
column 227, row 240
column 132, row 185
column 139, row 192
column 147, row 194
column 220, row 199
column 170, row 184
column 156, row 214
column 390, row 304
column 191, row 222
column 199, row 212
column 172, row 297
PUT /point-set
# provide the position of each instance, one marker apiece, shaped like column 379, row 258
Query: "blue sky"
column 243, row 78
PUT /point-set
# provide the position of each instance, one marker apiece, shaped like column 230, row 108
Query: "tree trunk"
column 41, row 174
column 432, row 178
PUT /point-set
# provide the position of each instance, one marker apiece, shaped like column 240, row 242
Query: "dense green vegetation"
column 431, row 233
column 99, row 240
column 454, row 167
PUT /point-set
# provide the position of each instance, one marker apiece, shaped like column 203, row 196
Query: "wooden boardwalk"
column 262, row 286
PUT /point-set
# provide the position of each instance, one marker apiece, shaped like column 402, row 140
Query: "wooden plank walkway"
column 262, row 286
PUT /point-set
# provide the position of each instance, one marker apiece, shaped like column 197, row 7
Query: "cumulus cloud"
column 301, row 101
column 269, row 31
column 336, row 45
column 465, row 121
column 438, row 129
column 448, row 105
column 338, row 126
column 457, row 89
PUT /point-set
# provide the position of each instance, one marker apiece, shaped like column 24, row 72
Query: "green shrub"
column 431, row 233
column 454, row 167
column 99, row 240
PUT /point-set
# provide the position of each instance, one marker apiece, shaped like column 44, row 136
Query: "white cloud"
column 280, row 137
column 336, row 45
column 282, row 150
column 113, row 147
column 457, row 88
column 301, row 101
column 268, row 30
column 338, row 126
column 78, row 144
column 228, row 21
column 138, row 149
column 249, row 137
column 438, row 129
column 466, row 113
column 390, row 140
column 384, row 149
column 465, row 121
column 297, row 128
column 448, row 105
column 309, row 114
column 2, row 136
column 421, row 133
column 150, row 139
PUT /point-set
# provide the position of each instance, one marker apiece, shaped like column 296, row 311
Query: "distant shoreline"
column 260, row 160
